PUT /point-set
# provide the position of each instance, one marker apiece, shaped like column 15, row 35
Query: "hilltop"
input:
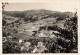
column 33, row 15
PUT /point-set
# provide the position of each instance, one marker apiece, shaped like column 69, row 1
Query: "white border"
column 33, row 1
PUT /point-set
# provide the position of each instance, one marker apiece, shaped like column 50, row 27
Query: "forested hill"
column 37, row 14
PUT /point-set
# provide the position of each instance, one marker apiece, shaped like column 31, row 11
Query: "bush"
column 9, row 47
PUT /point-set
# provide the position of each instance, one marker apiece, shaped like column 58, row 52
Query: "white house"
column 39, row 48
column 20, row 41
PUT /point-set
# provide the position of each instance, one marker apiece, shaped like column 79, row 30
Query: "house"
column 39, row 48
column 20, row 41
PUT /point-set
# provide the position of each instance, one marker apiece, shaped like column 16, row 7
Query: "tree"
column 4, row 22
column 71, row 26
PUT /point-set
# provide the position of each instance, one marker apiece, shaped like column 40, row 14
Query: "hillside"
column 36, row 14
column 26, row 22
column 57, row 30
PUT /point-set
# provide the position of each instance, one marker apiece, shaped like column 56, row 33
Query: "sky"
column 56, row 5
